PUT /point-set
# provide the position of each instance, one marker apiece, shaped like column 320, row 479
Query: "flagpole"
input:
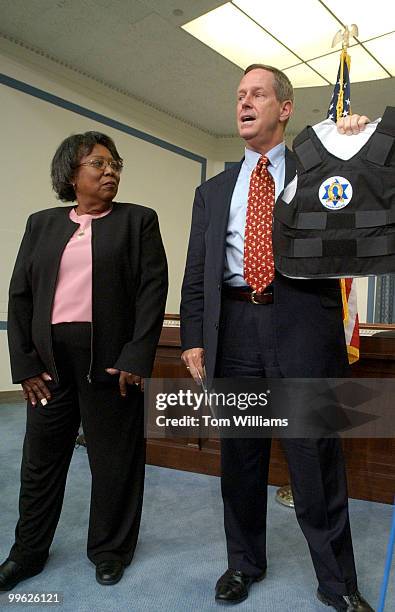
column 348, row 288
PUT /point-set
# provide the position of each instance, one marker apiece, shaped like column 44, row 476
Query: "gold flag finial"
column 344, row 36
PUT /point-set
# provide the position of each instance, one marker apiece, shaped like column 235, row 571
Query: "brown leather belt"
column 247, row 295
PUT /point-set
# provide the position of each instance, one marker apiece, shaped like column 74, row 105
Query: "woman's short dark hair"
column 67, row 157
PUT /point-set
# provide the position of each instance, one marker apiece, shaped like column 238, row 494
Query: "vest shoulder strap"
column 305, row 150
column 387, row 123
column 382, row 142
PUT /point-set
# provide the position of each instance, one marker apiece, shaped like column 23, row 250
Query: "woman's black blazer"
column 129, row 288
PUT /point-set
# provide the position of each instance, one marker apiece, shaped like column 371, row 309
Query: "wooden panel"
column 370, row 462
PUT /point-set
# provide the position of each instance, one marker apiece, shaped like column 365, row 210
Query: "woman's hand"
column 35, row 390
column 126, row 378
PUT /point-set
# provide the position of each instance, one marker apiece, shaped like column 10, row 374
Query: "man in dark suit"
column 240, row 318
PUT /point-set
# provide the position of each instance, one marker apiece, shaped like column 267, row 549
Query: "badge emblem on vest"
column 335, row 192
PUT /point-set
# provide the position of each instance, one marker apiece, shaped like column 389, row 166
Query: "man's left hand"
column 125, row 379
column 352, row 124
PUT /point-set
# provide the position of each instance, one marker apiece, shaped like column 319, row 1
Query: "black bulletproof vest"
column 341, row 220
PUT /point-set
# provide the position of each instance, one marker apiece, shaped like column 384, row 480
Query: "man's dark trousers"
column 247, row 347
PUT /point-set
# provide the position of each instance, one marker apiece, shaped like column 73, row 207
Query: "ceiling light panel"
column 304, row 26
column 236, row 37
column 372, row 19
column 363, row 66
column 383, row 49
column 303, row 76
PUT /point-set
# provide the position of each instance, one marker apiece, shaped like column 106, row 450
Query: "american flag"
column 340, row 106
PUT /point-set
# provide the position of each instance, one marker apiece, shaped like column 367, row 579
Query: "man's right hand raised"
column 194, row 360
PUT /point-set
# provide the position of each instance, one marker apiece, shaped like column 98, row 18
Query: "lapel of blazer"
column 223, row 197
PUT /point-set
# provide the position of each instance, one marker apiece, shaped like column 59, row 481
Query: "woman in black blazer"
column 86, row 305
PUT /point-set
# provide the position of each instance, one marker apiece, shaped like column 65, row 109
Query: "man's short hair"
column 282, row 85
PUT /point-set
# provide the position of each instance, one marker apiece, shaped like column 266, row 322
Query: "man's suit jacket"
column 129, row 288
column 308, row 313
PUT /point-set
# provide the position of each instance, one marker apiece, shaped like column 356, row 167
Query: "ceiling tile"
column 308, row 28
column 375, row 18
column 303, row 76
column 236, row 37
column 383, row 49
column 363, row 66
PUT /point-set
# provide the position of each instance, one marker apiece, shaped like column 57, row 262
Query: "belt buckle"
column 253, row 300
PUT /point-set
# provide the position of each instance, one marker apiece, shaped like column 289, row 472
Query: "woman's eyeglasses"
column 100, row 163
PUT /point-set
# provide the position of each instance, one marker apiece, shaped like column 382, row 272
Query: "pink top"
column 73, row 293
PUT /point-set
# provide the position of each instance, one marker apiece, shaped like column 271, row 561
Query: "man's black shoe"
column 233, row 586
column 345, row 603
column 12, row 573
column 109, row 572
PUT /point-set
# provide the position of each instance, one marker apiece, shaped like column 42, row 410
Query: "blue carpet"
column 181, row 550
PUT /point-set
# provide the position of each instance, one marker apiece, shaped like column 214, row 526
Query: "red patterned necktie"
column 258, row 248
